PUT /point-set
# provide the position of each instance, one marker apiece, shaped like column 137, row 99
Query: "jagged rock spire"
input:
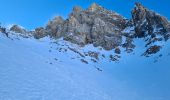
column 139, row 12
column 146, row 21
column 95, row 7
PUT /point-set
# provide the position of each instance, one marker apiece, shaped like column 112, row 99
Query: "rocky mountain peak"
column 150, row 26
column 139, row 5
column 95, row 7
column 139, row 12
column 58, row 20
column 101, row 27
column 77, row 9
column 147, row 22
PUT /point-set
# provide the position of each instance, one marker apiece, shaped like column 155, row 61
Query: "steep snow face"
column 47, row 69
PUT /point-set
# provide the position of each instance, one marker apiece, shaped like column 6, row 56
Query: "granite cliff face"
column 101, row 27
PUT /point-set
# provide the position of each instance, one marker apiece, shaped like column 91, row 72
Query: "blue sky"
column 34, row 13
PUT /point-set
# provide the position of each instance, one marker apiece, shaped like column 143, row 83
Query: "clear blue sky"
column 34, row 13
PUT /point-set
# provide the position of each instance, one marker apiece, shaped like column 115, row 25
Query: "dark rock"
column 152, row 50
column 117, row 50
column 95, row 61
column 103, row 56
column 98, row 69
column 74, row 50
column 93, row 54
column 147, row 22
column 3, row 30
column 84, row 61
column 128, row 45
column 114, row 58
column 152, row 40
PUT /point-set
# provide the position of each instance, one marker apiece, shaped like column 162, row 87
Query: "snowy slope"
column 33, row 69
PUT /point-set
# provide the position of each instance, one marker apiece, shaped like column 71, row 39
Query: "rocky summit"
column 107, row 29
column 93, row 54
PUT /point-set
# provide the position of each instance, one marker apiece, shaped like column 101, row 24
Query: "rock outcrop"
column 55, row 27
column 3, row 30
column 40, row 33
column 101, row 27
column 18, row 29
column 95, row 25
column 147, row 22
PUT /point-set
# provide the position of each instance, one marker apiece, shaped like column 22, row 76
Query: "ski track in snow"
column 28, row 71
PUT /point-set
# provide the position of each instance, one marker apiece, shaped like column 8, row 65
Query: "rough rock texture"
column 55, row 27
column 18, row 29
column 40, row 33
column 152, row 50
column 94, row 25
column 147, row 22
column 100, row 27
column 151, row 26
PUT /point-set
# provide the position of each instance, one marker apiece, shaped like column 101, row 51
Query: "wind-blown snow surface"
column 34, row 70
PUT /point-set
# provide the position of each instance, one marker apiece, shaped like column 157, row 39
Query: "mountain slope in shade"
column 95, row 54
